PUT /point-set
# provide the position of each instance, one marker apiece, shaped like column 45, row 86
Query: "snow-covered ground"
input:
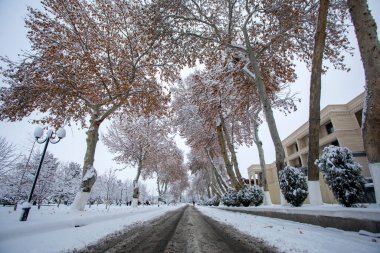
column 292, row 236
column 52, row 229
column 369, row 211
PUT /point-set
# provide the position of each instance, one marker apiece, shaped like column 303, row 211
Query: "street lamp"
column 50, row 137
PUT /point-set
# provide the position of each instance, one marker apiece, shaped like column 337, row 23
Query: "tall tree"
column 201, row 104
column 314, row 106
column 109, row 186
column 268, row 33
column 89, row 61
column 15, row 184
column 8, row 156
column 369, row 46
column 136, row 142
column 68, row 181
column 47, row 178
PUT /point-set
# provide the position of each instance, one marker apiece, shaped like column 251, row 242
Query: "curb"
column 347, row 224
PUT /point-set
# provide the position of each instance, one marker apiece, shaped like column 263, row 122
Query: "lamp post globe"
column 38, row 133
column 61, row 133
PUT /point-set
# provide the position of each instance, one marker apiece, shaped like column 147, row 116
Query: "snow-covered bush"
column 293, row 185
column 230, row 198
column 342, row 174
column 214, row 201
column 251, row 195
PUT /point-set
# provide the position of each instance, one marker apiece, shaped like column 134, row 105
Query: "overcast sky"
column 337, row 87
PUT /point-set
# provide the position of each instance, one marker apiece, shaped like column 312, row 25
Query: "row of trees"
column 146, row 143
column 58, row 182
column 108, row 59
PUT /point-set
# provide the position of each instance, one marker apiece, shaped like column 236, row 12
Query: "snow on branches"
column 230, row 197
column 293, row 185
column 251, row 195
column 342, row 174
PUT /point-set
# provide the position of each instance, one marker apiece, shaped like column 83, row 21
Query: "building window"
column 299, row 163
column 335, row 143
column 359, row 154
column 329, row 128
column 304, row 170
column 358, row 116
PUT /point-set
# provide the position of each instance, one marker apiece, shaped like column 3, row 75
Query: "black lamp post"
column 50, row 137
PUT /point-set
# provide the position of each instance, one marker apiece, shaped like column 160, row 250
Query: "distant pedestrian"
column 193, row 203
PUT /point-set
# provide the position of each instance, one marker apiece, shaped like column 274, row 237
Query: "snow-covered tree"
column 137, row 142
column 8, row 156
column 199, row 189
column 268, row 33
column 68, row 181
column 342, row 174
column 90, row 60
column 293, row 185
column 47, row 179
column 230, row 197
column 251, row 195
column 167, row 165
column 207, row 165
column 11, row 172
column 315, row 195
column 109, row 186
column 205, row 158
column 214, row 201
column 369, row 46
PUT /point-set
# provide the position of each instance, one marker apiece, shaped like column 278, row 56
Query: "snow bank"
column 372, row 212
column 52, row 229
column 291, row 236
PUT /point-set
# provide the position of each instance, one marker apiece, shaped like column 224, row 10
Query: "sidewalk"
column 334, row 216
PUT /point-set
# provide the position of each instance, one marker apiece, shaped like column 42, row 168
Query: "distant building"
column 340, row 126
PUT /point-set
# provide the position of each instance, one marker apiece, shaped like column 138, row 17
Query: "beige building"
column 340, row 126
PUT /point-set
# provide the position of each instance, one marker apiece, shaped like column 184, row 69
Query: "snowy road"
column 182, row 230
column 174, row 229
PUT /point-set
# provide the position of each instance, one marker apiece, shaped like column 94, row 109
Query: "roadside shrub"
column 230, row 198
column 251, row 195
column 293, row 185
column 214, row 201
column 342, row 174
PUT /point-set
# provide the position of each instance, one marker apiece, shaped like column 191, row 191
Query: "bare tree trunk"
column 209, row 192
column 216, row 186
column 366, row 34
column 265, row 101
column 234, row 160
column 211, row 179
column 214, row 191
column 158, row 188
column 89, row 172
column 227, row 162
column 223, row 186
column 220, row 180
column 136, row 192
column 280, row 154
column 259, row 145
column 315, row 195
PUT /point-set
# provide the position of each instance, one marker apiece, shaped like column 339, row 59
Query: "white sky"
column 337, row 87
